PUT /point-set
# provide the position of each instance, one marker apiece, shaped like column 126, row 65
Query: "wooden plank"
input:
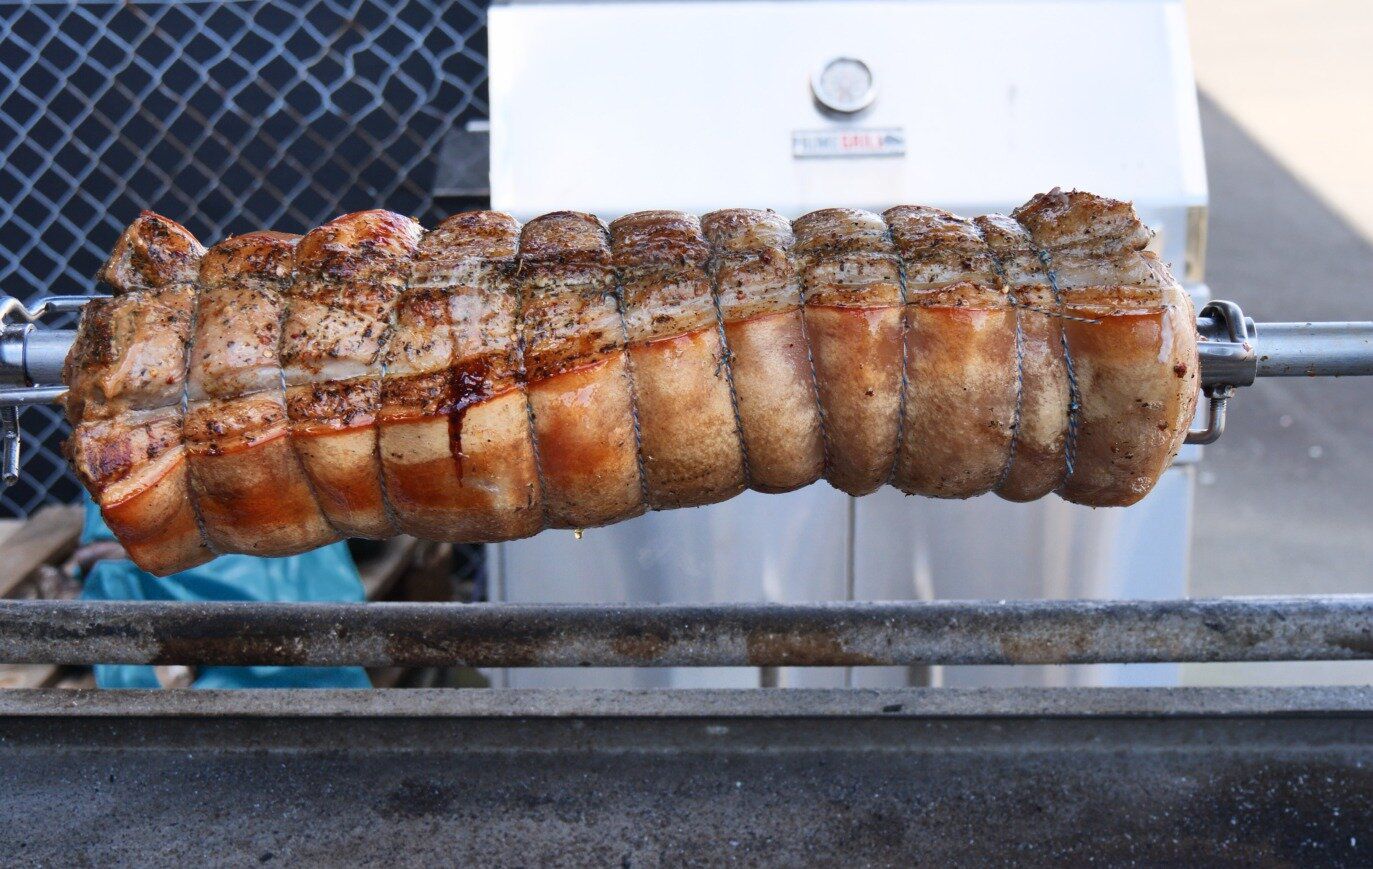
column 380, row 572
column 30, row 675
column 47, row 537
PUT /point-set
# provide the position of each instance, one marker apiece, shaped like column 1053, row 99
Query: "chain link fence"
column 226, row 116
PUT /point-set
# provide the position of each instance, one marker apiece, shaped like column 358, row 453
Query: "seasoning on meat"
column 486, row 381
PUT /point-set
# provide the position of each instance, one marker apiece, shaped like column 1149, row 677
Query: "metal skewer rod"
column 1314, row 349
column 1233, row 349
column 1329, row 349
column 1311, row 349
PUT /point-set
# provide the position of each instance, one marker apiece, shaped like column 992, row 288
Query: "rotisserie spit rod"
column 484, row 381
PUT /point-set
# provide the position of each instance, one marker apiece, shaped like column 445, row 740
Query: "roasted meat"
column 484, row 381
column 126, row 373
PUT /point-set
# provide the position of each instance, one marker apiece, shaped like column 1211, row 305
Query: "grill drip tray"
column 530, row 777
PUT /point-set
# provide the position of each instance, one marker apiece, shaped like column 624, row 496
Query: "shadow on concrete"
column 1285, row 503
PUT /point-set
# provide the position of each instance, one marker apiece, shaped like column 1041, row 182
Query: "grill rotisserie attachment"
column 483, row 381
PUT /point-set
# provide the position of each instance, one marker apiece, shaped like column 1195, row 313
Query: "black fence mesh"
column 226, row 116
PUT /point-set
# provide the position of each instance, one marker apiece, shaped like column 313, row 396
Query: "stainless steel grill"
column 797, row 776
column 248, row 114
column 547, row 760
column 1261, row 747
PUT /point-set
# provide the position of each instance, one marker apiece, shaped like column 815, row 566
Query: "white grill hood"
column 613, row 107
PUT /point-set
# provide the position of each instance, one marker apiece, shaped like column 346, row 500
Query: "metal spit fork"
column 1234, row 352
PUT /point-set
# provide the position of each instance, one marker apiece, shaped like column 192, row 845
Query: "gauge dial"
column 844, row 85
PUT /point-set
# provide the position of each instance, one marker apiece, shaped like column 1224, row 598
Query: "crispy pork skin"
column 689, row 430
column 851, row 278
column 456, row 445
column 1039, row 462
column 577, row 373
column 486, row 380
column 249, row 486
column 348, row 274
column 126, row 374
column 1131, row 337
column 758, row 293
column 961, row 358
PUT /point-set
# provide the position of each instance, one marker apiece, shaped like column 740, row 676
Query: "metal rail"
column 1304, row 701
column 647, row 635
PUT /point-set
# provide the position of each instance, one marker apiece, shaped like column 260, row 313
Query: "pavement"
column 1285, row 499
column 1284, row 496
column 1298, row 76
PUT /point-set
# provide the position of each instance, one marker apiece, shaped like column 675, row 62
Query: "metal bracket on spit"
column 29, row 358
column 1226, row 348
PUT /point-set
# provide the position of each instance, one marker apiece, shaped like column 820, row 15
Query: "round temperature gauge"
column 844, row 85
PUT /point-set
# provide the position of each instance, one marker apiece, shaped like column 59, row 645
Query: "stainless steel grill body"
column 514, row 777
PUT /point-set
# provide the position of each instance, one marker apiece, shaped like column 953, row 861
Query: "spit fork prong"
column 9, row 429
column 30, row 360
column 1228, row 360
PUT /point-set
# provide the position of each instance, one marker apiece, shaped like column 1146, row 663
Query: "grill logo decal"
column 877, row 142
